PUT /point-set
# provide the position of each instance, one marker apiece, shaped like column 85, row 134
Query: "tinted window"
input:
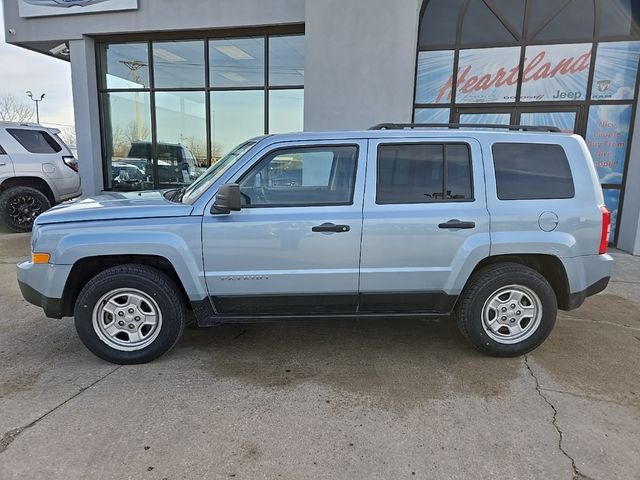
column 526, row 171
column 35, row 141
column 302, row 176
column 2, row 152
column 416, row 173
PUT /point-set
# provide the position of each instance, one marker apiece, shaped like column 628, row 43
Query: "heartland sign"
column 550, row 73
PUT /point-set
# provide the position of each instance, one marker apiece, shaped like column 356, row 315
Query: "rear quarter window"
column 35, row 141
column 532, row 171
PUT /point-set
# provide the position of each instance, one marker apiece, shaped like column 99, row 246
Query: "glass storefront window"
column 487, row 118
column 286, row 60
column 127, row 137
column 236, row 116
column 286, row 111
column 612, row 201
column 565, row 121
column 432, row 115
column 488, row 75
column 181, row 137
column 125, row 65
column 237, row 62
column 607, row 138
column 434, row 76
column 615, row 72
column 556, row 73
column 178, row 64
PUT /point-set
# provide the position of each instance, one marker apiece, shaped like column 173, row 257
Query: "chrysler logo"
column 63, row 3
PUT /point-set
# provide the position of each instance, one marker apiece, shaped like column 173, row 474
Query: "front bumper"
column 43, row 286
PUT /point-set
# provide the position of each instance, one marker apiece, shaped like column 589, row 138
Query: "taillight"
column 606, row 229
column 71, row 162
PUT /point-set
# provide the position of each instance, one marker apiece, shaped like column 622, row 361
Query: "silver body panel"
column 263, row 252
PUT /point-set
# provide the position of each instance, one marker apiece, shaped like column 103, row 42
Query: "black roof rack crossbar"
column 524, row 128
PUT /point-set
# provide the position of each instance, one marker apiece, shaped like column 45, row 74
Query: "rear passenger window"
column 423, row 173
column 2, row 152
column 35, row 141
column 531, row 171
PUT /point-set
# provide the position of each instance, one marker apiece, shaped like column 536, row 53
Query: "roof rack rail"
column 524, row 128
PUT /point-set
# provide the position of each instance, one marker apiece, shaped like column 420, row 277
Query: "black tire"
column 20, row 206
column 155, row 284
column 482, row 286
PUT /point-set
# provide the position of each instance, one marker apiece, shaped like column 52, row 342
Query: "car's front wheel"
column 130, row 314
column 506, row 310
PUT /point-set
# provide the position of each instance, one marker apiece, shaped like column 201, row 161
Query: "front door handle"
column 457, row 224
column 331, row 227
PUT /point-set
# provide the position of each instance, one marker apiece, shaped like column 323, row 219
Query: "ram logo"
column 63, row 3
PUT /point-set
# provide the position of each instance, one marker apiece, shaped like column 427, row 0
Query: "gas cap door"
column 548, row 221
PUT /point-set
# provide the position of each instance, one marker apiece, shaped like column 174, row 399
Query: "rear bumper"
column 577, row 299
column 587, row 275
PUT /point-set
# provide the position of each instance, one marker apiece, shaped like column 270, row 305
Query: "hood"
column 115, row 206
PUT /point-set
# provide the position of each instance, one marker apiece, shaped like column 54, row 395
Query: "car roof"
column 422, row 133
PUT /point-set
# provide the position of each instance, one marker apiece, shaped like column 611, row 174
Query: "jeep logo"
column 568, row 95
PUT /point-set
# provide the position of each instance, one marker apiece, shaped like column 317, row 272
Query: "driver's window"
column 302, row 176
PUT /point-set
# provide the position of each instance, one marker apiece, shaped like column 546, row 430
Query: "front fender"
column 179, row 243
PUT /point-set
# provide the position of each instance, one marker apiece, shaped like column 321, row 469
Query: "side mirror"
column 227, row 199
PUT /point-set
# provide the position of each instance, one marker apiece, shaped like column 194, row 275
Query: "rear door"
column 425, row 223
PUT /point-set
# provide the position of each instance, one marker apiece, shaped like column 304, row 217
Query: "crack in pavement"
column 603, row 322
column 8, row 438
column 576, row 473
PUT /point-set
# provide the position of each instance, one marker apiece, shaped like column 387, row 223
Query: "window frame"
column 275, row 152
column 495, row 173
column 444, row 175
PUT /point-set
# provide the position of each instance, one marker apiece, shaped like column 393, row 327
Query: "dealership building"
column 163, row 88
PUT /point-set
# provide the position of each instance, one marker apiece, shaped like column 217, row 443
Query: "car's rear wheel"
column 20, row 206
column 506, row 310
column 130, row 314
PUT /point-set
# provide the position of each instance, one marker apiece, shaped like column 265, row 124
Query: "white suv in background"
column 37, row 171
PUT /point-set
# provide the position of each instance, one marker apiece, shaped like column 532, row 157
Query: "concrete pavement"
column 330, row 399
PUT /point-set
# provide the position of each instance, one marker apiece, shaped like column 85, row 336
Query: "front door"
column 6, row 166
column 294, row 248
column 425, row 223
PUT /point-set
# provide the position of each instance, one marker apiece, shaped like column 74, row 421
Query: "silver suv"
column 37, row 171
column 495, row 229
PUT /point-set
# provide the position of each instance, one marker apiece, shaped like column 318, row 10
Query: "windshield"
column 202, row 184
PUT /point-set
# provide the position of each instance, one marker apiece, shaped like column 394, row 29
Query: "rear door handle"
column 3, row 164
column 331, row 227
column 457, row 224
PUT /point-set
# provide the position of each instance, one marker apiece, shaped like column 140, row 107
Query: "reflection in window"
column 125, row 65
column 127, row 123
column 286, row 111
column 302, row 176
column 618, row 17
column 178, row 64
column 182, row 139
column 237, row 62
column 481, row 26
column 286, row 60
column 236, row 115
column 574, row 21
column 440, row 22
